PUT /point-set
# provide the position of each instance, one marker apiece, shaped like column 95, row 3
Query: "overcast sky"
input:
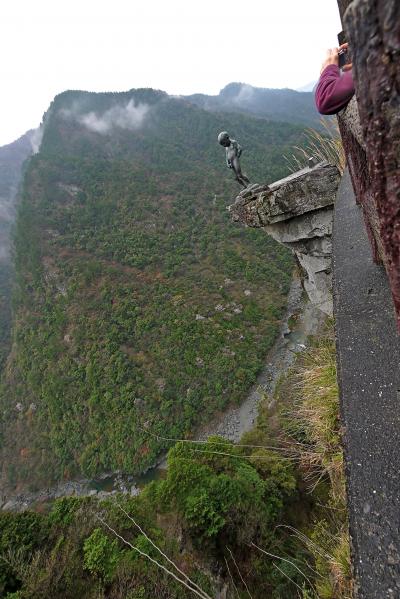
column 180, row 46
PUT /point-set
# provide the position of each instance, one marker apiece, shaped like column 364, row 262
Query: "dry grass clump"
column 331, row 554
column 311, row 414
column 317, row 410
column 324, row 144
column 332, row 561
column 312, row 422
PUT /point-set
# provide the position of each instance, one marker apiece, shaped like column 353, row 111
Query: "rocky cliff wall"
column 372, row 28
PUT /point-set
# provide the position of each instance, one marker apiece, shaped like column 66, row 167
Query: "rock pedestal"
column 298, row 212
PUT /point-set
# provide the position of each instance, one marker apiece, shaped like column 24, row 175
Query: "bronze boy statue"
column 233, row 152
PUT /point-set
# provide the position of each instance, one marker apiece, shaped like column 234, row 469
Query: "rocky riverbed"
column 231, row 424
column 116, row 483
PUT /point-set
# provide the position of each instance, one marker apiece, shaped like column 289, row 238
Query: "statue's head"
column 223, row 139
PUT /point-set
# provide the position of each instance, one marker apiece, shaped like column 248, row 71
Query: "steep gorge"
column 138, row 305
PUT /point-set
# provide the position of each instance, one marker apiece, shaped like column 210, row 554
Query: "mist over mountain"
column 273, row 104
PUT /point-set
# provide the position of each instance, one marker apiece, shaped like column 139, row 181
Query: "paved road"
column 369, row 379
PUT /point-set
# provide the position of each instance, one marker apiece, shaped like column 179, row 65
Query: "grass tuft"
column 310, row 419
column 322, row 145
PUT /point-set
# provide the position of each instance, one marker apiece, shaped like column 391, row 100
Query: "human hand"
column 343, row 49
column 332, row 57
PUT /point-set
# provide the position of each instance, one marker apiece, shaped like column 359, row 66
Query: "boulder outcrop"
column 298, row 212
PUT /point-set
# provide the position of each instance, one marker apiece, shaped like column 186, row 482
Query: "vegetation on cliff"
column 264, row 519
column 213, row 504
column 308, row 401
column 138, row 305
column 12, row 158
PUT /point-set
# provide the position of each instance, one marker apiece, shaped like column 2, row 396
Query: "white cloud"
column 245, row 95
column 36, row 139
column 130, row 116
column 125, row 117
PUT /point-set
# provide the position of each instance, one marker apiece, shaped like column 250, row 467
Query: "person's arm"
column 334, row 90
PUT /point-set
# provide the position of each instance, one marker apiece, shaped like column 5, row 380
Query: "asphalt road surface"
column 368, row 347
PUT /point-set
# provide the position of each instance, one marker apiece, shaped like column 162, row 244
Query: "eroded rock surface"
column 298, row 211
column 373, row 29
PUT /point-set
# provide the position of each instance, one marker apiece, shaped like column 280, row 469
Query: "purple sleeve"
column 334, row 90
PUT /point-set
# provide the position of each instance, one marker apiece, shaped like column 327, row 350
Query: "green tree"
column 101, row 555
column 221, row 494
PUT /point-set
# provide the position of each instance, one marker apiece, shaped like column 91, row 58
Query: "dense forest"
column 265, row 518
column 138, row 306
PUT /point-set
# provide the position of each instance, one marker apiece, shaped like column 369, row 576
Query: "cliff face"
column 298, row 211
column 12, row 157
column 374, row 34
column 138, row 306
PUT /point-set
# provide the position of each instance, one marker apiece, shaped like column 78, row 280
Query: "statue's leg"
column 236, row 167
column 239, row 178
column 243, row 180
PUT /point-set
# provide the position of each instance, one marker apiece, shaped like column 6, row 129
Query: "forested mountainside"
column 263, row 519
column 12, row 157
column 139, row 308
column 272, row 104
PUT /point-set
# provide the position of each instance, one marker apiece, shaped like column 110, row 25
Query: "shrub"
column 101, row 555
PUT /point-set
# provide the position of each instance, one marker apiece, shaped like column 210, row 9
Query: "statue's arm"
column 239, row 150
